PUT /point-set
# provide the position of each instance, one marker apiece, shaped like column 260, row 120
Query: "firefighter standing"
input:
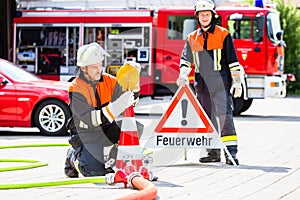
column 218, row 75
column 96, row 99
column 280, row 51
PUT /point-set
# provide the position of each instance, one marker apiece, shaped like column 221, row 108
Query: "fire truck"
column 47, row 34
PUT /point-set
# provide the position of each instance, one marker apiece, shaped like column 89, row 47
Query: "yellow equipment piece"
column 128, row 76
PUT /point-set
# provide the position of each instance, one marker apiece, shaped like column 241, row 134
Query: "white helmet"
column 90, row 54
column 202, row 5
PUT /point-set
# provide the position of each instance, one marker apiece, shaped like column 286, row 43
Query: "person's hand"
column 183, row 76
column 182, row 80
column 236, row 89
column 114, row 109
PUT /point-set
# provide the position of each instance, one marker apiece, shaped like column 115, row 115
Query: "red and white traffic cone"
column 129, row 153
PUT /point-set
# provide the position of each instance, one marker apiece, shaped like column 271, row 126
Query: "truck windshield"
column 273, row 25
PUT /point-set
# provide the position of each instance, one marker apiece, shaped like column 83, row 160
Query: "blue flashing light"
column 259, row 3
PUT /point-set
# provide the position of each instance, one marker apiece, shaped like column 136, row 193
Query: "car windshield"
column 16, row 73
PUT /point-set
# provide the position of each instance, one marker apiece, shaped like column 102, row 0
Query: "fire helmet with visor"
column 90, row 54
column 203, row 5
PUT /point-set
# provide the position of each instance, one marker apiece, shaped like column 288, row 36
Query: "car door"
column 8, row 102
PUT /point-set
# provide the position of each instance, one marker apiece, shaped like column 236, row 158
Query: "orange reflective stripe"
column 109, row 113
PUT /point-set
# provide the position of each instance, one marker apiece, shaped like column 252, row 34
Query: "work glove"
column 114, row 109
column 236, row 88
column 183, row 76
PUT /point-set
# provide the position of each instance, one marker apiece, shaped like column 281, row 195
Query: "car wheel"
column 51, row 117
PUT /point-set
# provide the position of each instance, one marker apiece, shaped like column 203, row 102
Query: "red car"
column 28, row 101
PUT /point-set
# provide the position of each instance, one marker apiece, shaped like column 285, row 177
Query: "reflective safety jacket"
column 87, row 99
column 279, row 64
column 213, row 54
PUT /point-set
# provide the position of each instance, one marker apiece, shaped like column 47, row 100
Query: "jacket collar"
column 210, row 30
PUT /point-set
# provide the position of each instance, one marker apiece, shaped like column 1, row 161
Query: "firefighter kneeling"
column 96, row 100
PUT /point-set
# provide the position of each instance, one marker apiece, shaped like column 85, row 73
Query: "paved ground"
column 268, row 151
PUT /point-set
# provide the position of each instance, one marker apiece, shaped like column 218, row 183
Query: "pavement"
column 268, row 152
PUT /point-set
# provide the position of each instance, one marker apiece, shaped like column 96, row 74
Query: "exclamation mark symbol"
column 184, row 104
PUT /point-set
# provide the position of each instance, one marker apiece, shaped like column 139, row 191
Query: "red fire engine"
column 48, row 33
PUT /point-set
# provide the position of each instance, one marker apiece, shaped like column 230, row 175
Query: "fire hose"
column 140, row 180
column 35, row 164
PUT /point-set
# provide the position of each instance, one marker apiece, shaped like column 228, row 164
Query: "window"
column 47, row 48
column 177, row 25
column 256, row 36
column 240, row 28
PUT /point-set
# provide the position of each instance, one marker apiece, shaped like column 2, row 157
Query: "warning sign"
column 185, row 124
column 184, row 115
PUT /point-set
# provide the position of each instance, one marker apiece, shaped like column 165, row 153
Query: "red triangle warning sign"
column 184, row 115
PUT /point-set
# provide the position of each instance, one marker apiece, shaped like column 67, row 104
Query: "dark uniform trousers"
column 218, row 105
column 88, row 158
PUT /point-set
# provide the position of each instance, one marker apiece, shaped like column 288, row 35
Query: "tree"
column 290, row 23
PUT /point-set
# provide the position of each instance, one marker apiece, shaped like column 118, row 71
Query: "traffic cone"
column 129, row 153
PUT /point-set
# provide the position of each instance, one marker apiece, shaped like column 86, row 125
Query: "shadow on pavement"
column 274, row 169
column 165, row 184
column 267, row 118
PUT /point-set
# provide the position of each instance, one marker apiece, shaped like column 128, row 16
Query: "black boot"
column 70, row 171
column 111, row 160
column 213, row 156
column 228, row 161
column 233, row 151
column 113, row 153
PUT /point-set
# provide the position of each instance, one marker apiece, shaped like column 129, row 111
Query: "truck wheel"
column 51, row 116
column 241, row 105
column 247, row 104
column 238, row 104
